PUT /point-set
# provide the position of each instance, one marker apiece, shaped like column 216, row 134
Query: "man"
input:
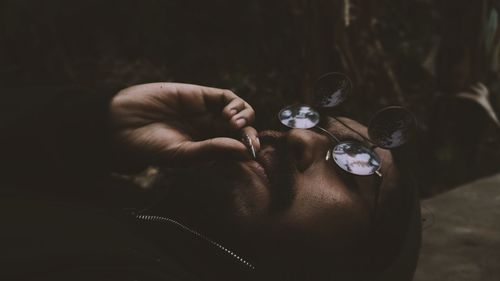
column 286, row 214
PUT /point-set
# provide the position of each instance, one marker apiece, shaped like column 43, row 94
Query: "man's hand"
column 177, row 124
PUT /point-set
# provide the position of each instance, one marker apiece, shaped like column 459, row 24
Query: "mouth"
column 267, row 160
column 267, row 157
column 274, row 157
column 264, row 164
column 260, row 171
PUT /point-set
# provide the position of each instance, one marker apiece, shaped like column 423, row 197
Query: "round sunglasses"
column 390, row 127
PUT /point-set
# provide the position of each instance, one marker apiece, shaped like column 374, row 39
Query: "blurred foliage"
column 258, row 48
column 268, row 52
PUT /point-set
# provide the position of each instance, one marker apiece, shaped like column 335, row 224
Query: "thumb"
column 220, row 148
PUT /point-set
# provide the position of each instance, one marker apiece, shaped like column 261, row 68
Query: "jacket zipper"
column 152, row 218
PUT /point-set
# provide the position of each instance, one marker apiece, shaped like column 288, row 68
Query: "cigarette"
column 248, row 143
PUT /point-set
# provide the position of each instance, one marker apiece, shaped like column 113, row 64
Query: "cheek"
column 250, row 198
column 249, row 201
column 326, row 213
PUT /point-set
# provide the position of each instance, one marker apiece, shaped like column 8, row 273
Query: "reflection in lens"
column 356, row 158
column 299, row 117
column 331, row 89
column 392, row 127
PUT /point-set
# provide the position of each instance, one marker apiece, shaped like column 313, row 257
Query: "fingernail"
column 240, row 122
column 233, row 111
column 258, row 141
column 248, row 143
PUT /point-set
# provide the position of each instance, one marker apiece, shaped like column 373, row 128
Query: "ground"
column 461, row 239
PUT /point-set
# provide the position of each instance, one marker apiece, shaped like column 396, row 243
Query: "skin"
column 180, row 124
column 285, row 208
column 324, row 211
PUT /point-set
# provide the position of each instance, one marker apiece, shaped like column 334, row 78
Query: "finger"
column 243, row 118
column 233, row 105
column 233, row 108
column 211, row 149
column 216, row 94
column 214, row 97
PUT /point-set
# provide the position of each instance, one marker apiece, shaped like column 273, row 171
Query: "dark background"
column 416, row 53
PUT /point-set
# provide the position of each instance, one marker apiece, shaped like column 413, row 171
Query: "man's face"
column 291, row 199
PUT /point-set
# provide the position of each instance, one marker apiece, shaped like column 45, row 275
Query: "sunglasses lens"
column 299, row 117
column 355, row 158
column 392, row 127
column 331, row 89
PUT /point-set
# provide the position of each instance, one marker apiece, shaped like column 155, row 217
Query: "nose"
column 306, row 147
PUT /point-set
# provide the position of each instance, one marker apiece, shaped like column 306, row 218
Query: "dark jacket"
column 63, row 218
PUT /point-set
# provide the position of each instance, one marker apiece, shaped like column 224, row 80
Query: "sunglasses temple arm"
column 374, row 145
column 330, row 135
column 378, row 182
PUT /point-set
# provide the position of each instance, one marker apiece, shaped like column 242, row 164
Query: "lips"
column 276, row 161
column 259, row 169
column 266, row 159
column 264, row 163
column 267, row 156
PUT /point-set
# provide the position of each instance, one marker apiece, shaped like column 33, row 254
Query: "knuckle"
column 228, row 93
column 239, row 103
column 247, row 105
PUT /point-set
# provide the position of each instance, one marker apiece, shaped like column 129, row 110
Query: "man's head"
column 290, row 210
